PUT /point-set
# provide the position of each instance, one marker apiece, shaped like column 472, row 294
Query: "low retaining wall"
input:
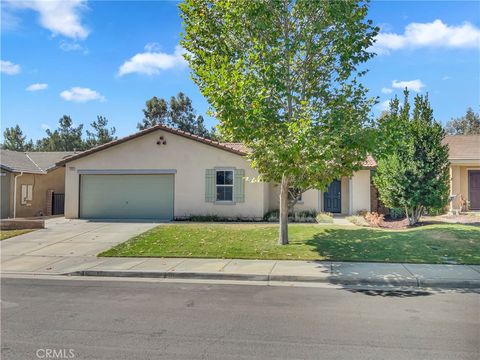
column 20, row 224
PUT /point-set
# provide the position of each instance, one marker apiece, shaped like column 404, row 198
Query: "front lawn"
column 6, row 234
column 440, row 243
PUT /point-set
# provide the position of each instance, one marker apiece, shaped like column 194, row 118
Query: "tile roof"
column 370, row 162
column 463, row 147
column 236, row 148
column 31, row 161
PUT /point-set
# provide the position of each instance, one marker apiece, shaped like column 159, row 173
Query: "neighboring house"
column 464, row 171
column 162, row 173
column 40, row 183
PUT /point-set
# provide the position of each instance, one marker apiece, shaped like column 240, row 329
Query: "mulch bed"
column 398, row 224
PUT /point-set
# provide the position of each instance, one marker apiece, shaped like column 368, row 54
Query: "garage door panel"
column 127, row 196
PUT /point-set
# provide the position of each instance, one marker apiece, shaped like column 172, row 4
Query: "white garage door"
column 127, row 196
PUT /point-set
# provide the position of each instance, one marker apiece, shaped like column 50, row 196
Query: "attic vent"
column 161, row 141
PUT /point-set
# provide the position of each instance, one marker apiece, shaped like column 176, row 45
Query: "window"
column 224, row 185
column 295, row 193
column 27, row 194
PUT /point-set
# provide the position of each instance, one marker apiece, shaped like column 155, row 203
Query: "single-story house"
column 464, row 171
column 31, row 183
column 163, row 173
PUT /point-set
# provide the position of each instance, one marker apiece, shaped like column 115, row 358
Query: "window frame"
column 232, row 170
column 28, row 190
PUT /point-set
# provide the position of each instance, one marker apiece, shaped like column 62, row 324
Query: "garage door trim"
column 127, row 171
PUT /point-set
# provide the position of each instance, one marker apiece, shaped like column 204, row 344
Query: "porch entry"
column 474, row 189
column 332, row 198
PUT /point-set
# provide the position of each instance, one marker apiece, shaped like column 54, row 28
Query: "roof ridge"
column 34, row 163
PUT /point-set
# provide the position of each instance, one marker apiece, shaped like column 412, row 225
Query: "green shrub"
column 271, row 216
column 204, row 218
column 303, row 216
column 357, row 220
column 397, row 213
column 324, row 218
column 435, row 211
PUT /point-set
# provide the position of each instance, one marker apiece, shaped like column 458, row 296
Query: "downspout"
column 15, row 194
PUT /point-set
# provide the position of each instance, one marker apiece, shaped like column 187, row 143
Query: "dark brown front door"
column 474, row 189
column 332, row 198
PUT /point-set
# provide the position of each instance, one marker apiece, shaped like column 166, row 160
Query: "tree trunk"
column 414, row 215
column 283, row 233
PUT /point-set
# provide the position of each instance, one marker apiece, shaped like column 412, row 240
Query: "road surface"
column 103, row 319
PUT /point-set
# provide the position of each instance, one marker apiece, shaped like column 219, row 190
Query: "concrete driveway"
column 65, row 245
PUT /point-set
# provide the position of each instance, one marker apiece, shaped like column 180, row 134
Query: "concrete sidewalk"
column 347, row 273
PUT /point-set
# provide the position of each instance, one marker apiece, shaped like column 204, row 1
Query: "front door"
column 332, row 198
column 474, row 189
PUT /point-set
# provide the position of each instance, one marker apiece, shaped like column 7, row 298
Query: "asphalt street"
column 103, row 319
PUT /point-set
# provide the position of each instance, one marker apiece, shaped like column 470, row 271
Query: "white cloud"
column 433, row 34
column 152, row 62
column 59, row 16
column 79, row 94
column 153, row 47
column 446, row 77
column 9, row 68
column 46, row 127
column 37, row 87
column 72, row 46
column 386, row 90
column 415, row 85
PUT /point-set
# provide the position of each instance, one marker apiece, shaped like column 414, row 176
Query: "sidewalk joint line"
column 224, row 266
column 269, row 275
column 417, row 280
column 174, row 266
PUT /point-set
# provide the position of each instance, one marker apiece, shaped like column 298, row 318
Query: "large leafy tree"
column 101, row 134
column 66, row 138
column 413, row 170
column 15, row 140
column 282, row 77
column 177, row 113
column 469, row 124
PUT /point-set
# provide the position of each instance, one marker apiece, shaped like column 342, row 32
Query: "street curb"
column 337, row 280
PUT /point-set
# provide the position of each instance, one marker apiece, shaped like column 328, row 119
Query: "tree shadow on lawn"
column 445, row 244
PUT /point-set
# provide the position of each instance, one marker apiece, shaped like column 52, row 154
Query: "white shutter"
column 29, row 192
column 23, row 198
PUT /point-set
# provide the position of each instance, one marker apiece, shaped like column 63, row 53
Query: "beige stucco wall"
column 309, row 199
column 459, row 182
column 360, row 191
column 345, row 210
column 189, row 158
column 54, row 180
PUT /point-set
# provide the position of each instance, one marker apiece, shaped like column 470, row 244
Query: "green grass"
column 7, row 234
column 433, row 244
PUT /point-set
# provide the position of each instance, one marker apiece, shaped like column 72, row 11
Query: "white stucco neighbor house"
column 163, row 173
